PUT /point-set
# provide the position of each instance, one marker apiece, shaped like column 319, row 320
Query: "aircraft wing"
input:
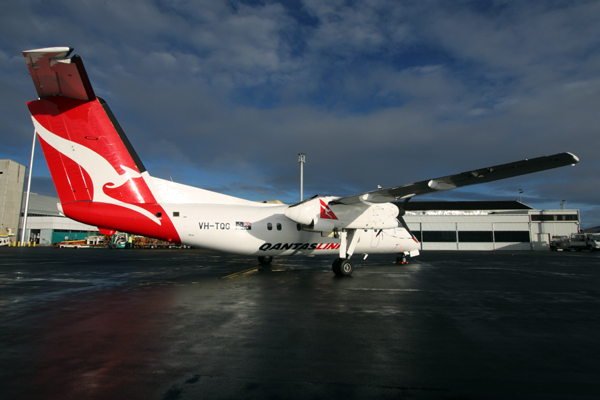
column 482, row 175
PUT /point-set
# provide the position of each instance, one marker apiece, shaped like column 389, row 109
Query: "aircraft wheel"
column 346, row 267
column 265, row 260
column 336, row 266
column 401, row 259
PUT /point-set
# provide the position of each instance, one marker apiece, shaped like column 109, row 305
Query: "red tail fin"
column 99, row 178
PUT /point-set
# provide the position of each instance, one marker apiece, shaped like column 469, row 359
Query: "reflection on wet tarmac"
column 103, row 346
column 187, row 324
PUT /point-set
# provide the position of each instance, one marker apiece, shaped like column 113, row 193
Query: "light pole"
column 301, row 160
column 28, row 191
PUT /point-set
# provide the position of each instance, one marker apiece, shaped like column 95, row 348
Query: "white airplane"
column 101, row 181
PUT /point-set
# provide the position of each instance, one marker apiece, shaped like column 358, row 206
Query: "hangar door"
column 512, row 235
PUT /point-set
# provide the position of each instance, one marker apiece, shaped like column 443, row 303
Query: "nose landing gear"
column 342, row 267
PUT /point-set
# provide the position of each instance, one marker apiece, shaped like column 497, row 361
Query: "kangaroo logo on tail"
column 102, row 173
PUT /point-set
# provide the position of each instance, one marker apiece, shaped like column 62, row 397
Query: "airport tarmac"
column 189, row 324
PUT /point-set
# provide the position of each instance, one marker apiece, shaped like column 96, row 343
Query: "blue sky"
column 224, row 95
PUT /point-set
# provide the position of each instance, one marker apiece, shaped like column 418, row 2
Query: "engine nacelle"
column 319, row 215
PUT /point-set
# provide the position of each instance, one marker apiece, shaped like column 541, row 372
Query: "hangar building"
column 487, row 225
column 45, row 225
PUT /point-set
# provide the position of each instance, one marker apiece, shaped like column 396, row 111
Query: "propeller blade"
column 405, row 225
column 403, row 222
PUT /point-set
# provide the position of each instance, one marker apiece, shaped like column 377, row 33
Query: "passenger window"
column 270, row 226
column 278, row 227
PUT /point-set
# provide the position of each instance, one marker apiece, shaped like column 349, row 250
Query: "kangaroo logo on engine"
column 326, row 212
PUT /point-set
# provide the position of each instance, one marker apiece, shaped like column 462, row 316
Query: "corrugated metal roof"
column 41, row 205
column 464, row 205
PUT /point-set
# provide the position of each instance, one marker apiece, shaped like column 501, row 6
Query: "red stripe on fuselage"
column 111, row 216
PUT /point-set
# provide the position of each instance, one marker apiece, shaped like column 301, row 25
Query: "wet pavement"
column 189, row 324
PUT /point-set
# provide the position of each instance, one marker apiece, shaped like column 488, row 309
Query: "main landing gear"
column 401, row 259
column 265, row 260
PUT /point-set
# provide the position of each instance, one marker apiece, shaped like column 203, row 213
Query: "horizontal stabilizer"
column 54, row 74
column 463, row 179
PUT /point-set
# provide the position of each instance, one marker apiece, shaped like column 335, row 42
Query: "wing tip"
column 574, row 158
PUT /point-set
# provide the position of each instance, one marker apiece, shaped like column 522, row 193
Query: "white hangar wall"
column 521, row 228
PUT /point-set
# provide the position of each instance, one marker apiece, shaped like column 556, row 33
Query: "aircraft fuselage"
column 264, row 230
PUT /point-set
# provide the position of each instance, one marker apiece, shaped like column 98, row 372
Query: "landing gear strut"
column 342, row 266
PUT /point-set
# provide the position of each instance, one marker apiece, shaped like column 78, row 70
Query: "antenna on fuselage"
column 301, row 160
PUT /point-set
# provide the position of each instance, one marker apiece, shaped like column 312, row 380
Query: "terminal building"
column 12, row 181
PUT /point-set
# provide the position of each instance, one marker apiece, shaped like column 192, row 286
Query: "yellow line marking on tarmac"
column 235, row 274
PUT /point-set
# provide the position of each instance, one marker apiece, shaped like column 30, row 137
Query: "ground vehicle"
column 90, row 241
column 577, row 242
column 120, row 240
column 593, row 241
column 559, row 243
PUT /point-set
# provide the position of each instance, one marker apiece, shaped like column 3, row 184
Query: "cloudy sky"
column 224, row 94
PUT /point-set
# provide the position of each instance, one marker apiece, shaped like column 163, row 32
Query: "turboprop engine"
column 318, row 215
